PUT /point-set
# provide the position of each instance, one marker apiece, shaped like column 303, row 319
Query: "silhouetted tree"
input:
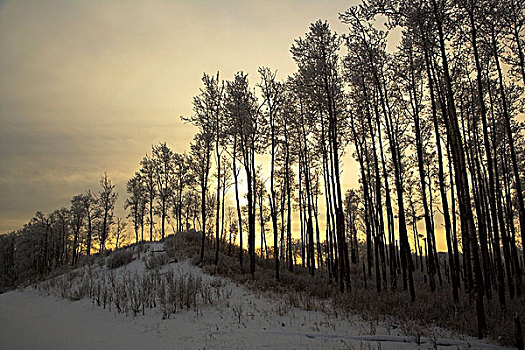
column 318, row 68
column 243, row 119
column 164, row 167
column 78, row 214
column 205, row 110
column 272, row 94
column 136, row 202
column 147, row 171
column 106, row 202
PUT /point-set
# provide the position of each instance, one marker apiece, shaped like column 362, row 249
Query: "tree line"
column 61, row 238
column 432, row 124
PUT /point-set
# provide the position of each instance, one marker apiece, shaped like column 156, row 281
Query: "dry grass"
column 318, row 292
column 132, row 293
column 418, row 318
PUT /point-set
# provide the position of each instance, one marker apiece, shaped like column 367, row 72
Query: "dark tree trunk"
column 491, row 170
column 237, row 201
column 510, row 138
column 461, row 178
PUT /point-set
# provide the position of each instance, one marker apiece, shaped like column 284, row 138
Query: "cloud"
column 89, row 86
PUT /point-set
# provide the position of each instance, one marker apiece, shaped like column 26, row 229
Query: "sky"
column 87, row 87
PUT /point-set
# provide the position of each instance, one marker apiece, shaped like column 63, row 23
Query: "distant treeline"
column 61, row 238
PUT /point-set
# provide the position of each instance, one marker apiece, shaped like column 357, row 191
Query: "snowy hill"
column 152, row 303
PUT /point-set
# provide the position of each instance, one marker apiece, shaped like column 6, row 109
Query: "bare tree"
column 205, row 108
column 136, row 202
column 78, row 214
column 164, row 167
column 106, row 202
column 243, row 120
column 120, row 231
column 272, row 92
column 90, row 204
column 317, row 59
column 147, row 170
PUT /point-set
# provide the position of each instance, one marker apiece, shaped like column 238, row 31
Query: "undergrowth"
column 320, row 292
column 172, row 291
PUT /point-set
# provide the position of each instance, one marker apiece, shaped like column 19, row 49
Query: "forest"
column 427, row 98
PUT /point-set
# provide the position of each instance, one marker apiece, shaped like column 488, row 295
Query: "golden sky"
column 88, row 86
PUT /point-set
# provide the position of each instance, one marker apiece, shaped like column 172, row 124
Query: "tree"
column 412, row 79
column 163, row 163
column 439, row 16
column 460, row 172
column 495, row 35
column 272, row 93
column 136, row 202
column 78, row 214
column 351, row 213
column 200, row 153
column 106, row 201
column 317, row 59
column 121, row 226
column 205, row 108
column 219, row 134
column 90, row 204
column 147, row 171
column 243, row 122
column 183, row 179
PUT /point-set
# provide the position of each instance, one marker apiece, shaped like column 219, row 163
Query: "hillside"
column 160, row 302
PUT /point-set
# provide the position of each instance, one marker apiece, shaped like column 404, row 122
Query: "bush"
column 155, row 261
column 170, row 246
column 119, row 258
column 182, row 245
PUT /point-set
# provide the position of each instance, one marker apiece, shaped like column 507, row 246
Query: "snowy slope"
column 235, row 319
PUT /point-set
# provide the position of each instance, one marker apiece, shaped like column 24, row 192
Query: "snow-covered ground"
column 238, row 319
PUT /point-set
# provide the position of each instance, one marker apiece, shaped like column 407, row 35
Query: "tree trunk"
column 237, row 201
column 461, row 178
column 510, row 138
column 442, row 186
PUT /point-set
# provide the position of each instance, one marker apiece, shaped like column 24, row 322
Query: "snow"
column 240, row 319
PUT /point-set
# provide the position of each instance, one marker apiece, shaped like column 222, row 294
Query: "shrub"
column 119, row 258
column 155, row 261
column 238, row 310
column 182, row 245
column 169, row 246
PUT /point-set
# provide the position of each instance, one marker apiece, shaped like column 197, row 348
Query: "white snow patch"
column 240, row 319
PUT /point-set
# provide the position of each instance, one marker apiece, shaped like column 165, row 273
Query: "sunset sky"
column 88, row 86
